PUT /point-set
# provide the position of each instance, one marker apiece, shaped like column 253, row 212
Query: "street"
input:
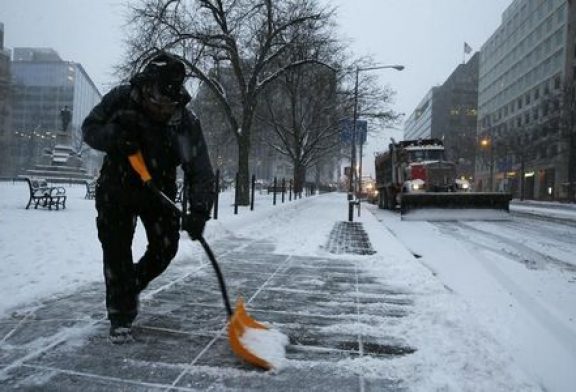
column 518, row 276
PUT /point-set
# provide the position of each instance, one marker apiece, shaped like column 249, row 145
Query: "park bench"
column 90, row 190
column 277, row 189
column 45, row 196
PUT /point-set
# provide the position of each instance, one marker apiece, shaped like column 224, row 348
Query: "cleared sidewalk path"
column 61, row 344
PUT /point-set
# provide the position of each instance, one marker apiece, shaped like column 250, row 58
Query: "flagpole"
column 466, row 50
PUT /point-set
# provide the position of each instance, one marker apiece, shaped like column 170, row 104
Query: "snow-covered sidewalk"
column 552, row 210
column 375, row 322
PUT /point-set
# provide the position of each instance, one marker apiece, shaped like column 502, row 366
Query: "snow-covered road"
column 518, row 277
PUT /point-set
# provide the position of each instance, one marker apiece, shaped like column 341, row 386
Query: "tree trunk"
column 572, row 165
column 243, row 186
column 299, row 177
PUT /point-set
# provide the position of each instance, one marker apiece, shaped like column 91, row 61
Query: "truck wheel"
column 390, row 202
column 385, row 200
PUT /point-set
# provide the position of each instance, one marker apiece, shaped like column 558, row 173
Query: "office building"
column 43, row 87
column 419, row 124
column 521, row 78
column 5, row 134
column 449, row 112
column 570, row 102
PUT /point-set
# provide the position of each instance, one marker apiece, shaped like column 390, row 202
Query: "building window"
column 546, row 88
column 472, row 112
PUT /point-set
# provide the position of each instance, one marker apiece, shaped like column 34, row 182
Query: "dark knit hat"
column 167, row 71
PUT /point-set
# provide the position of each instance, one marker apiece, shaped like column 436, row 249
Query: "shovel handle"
column 223, row 290
column 138, row 164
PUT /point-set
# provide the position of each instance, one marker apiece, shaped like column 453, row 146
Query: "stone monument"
column 63, row 162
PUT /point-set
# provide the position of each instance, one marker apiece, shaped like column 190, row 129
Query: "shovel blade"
column 239, row 322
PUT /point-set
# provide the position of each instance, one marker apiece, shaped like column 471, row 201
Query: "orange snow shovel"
column 239, row 320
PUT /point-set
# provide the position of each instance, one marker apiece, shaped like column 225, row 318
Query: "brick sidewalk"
column 61, row 344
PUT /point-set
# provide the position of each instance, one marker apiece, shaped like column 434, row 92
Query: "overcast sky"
column 426, row 36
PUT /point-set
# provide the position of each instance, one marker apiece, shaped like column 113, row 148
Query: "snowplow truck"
column 414, row 176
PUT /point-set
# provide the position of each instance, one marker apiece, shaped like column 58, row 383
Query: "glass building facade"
column 449, row 112
column 419, row 124
column 521, row 78
column 5, row 134
column 43, row 85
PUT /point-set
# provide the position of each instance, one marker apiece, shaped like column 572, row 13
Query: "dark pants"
column 116, row 222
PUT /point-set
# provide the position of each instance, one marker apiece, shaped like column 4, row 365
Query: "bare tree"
column 304, row 109
column 249, row 37
column 300, row 112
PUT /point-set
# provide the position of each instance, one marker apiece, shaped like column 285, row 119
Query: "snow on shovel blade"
column 255, row 342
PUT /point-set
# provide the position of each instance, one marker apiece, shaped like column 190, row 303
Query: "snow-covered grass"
column 46, row 252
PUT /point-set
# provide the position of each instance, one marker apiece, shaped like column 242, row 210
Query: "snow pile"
column 267, row 344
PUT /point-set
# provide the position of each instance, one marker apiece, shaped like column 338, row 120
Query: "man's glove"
column 130, row 124
column 194, row 223
column 126, row 143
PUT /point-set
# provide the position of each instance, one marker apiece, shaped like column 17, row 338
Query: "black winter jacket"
column 164, row 147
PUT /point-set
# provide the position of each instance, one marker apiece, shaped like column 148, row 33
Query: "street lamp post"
column 353, row 152
column 488, row 143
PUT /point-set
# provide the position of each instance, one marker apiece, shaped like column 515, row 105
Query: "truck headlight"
column 462, row 185
column 417, row 185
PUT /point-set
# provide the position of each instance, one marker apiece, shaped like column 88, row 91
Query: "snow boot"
column 121, row 334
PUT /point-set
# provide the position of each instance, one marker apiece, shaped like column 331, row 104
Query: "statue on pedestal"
column 66, row 117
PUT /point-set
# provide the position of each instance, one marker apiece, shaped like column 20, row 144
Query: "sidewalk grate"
column 349, row 238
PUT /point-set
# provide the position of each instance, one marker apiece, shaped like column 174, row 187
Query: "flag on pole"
column 467, row 48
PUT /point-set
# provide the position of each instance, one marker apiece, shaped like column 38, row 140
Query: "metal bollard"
column 252, row 195
column 236, row 195
column 283, row 189
column 351, row 211
column 274, row 191
column 217, row 195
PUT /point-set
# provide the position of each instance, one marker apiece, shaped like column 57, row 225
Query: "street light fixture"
column 353, row 152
